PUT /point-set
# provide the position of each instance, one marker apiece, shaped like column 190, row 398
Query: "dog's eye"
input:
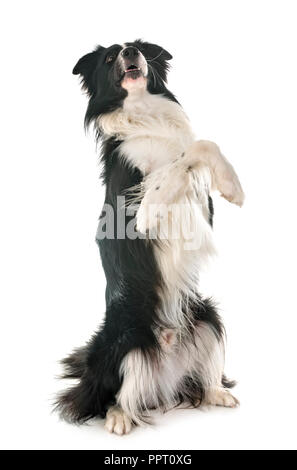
column 109, row 58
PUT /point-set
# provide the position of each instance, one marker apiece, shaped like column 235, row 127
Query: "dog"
column 161, row 343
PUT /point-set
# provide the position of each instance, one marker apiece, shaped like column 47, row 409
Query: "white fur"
column 146, row 379
column 219, row 396
column 155, row 130
column 117, row 421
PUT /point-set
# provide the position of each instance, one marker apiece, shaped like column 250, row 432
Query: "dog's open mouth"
column 132, row 68
column 133, row 72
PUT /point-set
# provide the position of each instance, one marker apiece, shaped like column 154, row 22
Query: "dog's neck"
column 143, row 113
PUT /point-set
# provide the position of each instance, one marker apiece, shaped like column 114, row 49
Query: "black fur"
column 131, row 301
column 211, row 211
column 130, row 267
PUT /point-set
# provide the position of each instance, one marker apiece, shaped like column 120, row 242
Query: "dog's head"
column 109, row 73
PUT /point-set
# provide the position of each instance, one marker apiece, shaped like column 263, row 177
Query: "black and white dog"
column 161, row 343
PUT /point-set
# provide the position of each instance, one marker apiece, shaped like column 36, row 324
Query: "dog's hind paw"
column 221, row 397
column 117, row 421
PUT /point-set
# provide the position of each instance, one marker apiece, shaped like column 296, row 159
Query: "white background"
column 234, row 71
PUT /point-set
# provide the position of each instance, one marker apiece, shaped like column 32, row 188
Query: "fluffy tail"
column 98, row 383
column 75, row 364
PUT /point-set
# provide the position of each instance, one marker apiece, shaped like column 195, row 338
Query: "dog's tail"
column 74, row 365
column 95, row 389
column 76, row 404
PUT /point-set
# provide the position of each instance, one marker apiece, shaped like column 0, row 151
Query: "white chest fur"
column 154, row 130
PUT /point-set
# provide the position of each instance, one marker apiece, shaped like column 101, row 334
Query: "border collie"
column 161, row 343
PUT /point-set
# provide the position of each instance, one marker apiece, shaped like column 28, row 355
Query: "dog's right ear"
column 86, row 66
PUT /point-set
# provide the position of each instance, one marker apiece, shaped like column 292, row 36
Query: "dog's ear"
column 155, row 52
column 88, row 62
column 160, row 52
column 86, row 66
column 167, row 55
column 157, row 58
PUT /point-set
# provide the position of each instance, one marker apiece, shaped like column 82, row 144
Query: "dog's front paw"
column 117, row 421
column 230, row 187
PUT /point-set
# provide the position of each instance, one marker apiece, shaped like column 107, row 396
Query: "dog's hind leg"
column 210, row 366
column 204, row 382
column 151, row 378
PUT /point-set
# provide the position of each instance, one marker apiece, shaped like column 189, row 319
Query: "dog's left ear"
column 154, row 52
column 167, row 55
column 157, row 58
column 163, row 53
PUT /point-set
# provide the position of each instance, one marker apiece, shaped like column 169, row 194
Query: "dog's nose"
column 130, row 52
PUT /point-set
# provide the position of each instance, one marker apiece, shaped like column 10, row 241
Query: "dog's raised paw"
column 117, row 421
column 230, row 189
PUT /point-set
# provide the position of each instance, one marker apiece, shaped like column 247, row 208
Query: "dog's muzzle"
column 133, row 63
